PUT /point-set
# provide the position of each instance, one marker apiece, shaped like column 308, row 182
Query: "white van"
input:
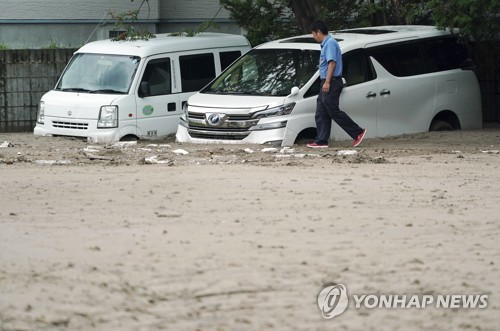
column 121, row 90
column 399, row 79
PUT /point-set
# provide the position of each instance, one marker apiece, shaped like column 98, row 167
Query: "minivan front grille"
column 216, row 136
column 232, row 127
column 230, row 117
column 70, row 125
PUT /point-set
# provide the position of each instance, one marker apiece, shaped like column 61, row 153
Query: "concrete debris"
column 53, row 162
column 181, row 152
column 124, row 144
column 154, row 160
column 6, row 144
column 347, row 152
column 269, row 150
column 287, row 150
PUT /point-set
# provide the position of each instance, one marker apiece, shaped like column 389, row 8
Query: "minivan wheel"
column 440, row 125
column 305, row 136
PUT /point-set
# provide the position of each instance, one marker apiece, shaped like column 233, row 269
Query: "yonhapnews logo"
column 333, row 301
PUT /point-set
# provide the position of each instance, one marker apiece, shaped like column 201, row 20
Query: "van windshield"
column 99, row 73
column 267, row 72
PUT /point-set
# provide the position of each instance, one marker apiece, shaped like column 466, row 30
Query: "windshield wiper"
column 107, row 91
column 237, row 92
column 74, row 89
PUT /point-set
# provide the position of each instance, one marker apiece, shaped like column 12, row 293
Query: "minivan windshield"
column 267, row 72
column 99, row 73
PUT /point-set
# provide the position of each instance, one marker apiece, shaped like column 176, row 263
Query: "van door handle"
column 385, row 92
column 171, row 107
column 371, row 94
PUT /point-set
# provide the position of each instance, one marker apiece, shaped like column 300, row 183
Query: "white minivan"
column 122, row 90
column 398, row 79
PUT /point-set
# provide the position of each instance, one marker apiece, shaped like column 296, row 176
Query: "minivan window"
column 99, row 73
column 445, row 54
column 196, row 71
column 401, row 60
column 423, row 56
column 270, row 72
column 356, row 68
column 157, row 78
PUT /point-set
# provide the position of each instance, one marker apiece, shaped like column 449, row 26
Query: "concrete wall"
column 25, row 75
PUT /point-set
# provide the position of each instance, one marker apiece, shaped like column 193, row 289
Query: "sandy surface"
column 139, row 237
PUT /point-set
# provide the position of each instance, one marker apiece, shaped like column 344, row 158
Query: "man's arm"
column 329, row 75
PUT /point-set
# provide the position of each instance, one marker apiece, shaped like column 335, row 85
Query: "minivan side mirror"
column 295, row 90
column 144, row 90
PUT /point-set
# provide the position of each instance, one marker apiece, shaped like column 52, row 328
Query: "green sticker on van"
column 148, row 110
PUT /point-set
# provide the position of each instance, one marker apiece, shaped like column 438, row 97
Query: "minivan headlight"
column 40, row 118
column 184, row 116
column 108, row 117
column 275, row 111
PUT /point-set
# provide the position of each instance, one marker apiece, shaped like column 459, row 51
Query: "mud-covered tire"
column 440, row 125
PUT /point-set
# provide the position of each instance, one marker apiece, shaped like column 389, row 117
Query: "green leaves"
column 124, row 22
column 476, row 19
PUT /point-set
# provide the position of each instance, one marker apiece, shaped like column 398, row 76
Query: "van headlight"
column 40, row 118
column 276, row 111
column 108, row 117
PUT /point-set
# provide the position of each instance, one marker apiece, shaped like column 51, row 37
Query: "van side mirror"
column 144, row 90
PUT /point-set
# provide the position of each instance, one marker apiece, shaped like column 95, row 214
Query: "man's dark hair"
column 321, row 26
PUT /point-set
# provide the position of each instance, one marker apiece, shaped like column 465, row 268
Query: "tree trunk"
column 396, row 13
column 306, row 12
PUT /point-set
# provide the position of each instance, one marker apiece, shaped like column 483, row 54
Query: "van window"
column 226, row 58
column 99, row 73
column 401, row 60
column 158, row 77
column 196, row 71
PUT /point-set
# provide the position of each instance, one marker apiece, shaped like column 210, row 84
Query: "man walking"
column 327, row 109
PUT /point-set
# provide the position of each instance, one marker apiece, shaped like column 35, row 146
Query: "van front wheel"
column 129, row 137
column 440, row 125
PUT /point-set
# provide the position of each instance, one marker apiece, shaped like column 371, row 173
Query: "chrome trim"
column 228, row 124
column 218, row 133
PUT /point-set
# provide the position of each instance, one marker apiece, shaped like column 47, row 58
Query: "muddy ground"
column 158, row 235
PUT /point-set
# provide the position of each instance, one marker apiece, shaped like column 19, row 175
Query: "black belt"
column 334, row 77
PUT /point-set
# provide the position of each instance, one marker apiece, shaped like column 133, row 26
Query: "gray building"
column 72, row 23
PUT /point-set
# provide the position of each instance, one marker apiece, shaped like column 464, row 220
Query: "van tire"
column 129, row 137
column 440, row 125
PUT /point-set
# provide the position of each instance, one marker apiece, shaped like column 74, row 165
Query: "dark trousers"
column 327, row 109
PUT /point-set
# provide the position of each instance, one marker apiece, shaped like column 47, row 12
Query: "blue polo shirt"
column 330, row 51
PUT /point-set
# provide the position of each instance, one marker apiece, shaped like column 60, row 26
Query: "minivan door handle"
column 385, row 92
column 371, row 94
